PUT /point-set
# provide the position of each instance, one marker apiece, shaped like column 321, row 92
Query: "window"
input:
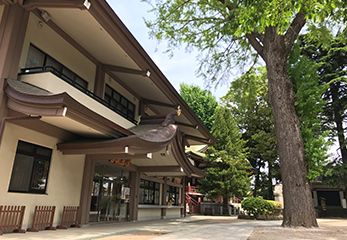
column 30, row 168
column 173, row 195
column 35, row 58
column 37, row 61
column 149, row 192
column 119, row 103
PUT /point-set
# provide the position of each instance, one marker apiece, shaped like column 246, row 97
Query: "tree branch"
column 293, row 31
column 255, row 44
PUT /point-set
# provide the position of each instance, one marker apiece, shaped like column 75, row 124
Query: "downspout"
column 6, row 119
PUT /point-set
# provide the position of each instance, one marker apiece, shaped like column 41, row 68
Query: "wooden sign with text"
column 122, row 162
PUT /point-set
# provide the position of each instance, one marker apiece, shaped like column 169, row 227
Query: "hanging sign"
column 122, row 162
column 126, row 194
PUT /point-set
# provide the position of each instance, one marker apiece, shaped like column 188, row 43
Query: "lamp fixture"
column 87, row 4
column 148, row 73
column 45, row 15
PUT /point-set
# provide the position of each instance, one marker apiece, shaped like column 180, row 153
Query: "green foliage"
column 257, row 206
column 249, row 103
column 304, row 75
column 227, row 171
column 202, row 102
column 218, row 28
column 331, row 57
column 335, row 173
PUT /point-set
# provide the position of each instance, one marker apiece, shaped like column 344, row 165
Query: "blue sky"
column 178, row 69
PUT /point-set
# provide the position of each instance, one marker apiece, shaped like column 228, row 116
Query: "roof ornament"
column 169, row 119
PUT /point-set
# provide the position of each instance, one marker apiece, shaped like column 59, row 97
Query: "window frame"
column 74, row 80
column 37, row 158
column 122, row 106
column 145, row 186
column 173, row 191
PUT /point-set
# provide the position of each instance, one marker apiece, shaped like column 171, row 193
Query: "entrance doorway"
column 108, row 203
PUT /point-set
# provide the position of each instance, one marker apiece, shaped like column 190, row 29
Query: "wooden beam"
column 160, row 169
column 66, row 37
column 187, row 125
column 120, row 82
column 118, row 156
column 32, row 4
column 113, row 68
column 152, row 102
column 203, row 140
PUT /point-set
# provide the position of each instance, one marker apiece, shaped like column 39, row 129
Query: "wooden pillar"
column 183, row 197
column 87, row 185
column 134, row 196
column 99, row 82
column 163, row 198
column 13, row 27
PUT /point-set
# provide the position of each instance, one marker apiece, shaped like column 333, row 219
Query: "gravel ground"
column 328, row 229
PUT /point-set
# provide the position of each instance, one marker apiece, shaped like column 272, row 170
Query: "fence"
column 11, row 218
column 69, row 217
column 43, row 218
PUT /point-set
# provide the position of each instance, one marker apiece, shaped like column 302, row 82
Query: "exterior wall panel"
column 148, row 214
column 64, row 179
column 56, row 85
column 47, row 40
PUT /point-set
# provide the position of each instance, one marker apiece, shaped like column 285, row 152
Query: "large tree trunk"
column 337, row 107
column 225, row 206
column 256, row 182
column 338, row 118
column 298, row 204
column 270, row 186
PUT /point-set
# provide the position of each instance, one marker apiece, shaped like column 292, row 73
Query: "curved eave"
column 182, row 159
column 146, row 142
column 31, row 100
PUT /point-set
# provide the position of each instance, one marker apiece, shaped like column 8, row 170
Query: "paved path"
column 192, row 228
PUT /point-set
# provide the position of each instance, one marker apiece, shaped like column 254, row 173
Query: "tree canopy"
column 202, row 102
column 228, row 171
column 304, row 74
column 331, row 59
column 228, row 32
column 249, row 103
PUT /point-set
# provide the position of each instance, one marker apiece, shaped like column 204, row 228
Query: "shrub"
column 257, row 206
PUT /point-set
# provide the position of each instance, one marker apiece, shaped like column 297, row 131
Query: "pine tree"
column 228, row 169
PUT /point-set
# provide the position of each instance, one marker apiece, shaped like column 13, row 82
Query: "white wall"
column 64, row 179
column 54, row 45
column 147, row 214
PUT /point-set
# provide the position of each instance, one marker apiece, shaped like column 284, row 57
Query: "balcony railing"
column 191, row 189
column 75, row 84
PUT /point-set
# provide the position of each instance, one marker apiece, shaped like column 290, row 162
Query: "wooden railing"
column 11, row 218
column 43, row 218
column 69, row 217
column 191, row 189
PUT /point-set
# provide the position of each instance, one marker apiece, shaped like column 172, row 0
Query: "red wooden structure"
column 194, row 206
column 11, row 218
column 69, row 217
column 191, row 189
column 43, row 218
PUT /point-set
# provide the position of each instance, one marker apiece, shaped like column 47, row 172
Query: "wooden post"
column 87, row 186
column 134, row 196
column 163, row 198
